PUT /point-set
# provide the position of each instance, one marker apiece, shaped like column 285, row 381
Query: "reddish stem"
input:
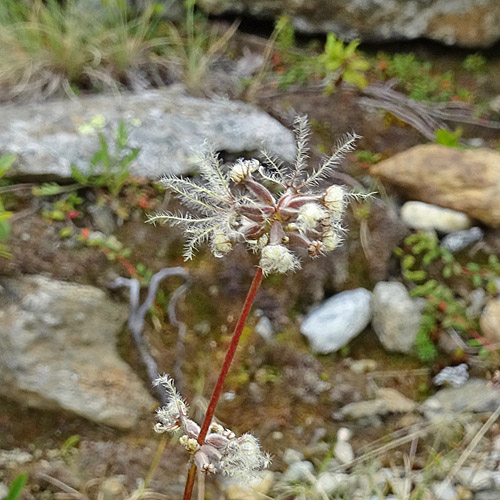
column 231, row 350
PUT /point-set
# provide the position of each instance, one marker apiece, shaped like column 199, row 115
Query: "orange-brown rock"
column 468, row 181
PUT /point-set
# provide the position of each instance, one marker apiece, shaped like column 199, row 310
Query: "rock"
column 11, row 459
column 328, row 482
column 264, row 328
column 474, row 396
column 363, row 409
column 167, row 125
column 494, row 104
column 338, row 320
column 396, row 317
column 455, row 242
column 418, row 215
column 291, row 456
column 298, row 471
column 362, row 365
column 249, row 490
column 344, row 394
column 477, row 301
column 452, row 375
column 394, row 401
column 467, row 181
column 443, row 490
column 57, row 351
column 342, row 450
column 486, row 495
column 468, row 23
column 475, row 480
column 103, row 218
column 388, row 400
column 490, row 321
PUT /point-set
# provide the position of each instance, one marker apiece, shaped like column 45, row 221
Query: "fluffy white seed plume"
column 334, row 199
column 277, row 259
column 310, row 215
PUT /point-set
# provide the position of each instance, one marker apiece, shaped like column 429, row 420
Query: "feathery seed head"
column 269, row 207
column 222, row 451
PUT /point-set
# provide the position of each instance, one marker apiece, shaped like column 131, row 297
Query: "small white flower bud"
column 190, row 444
column 309, row 216
column 242, row 169
column 208, row 468
column 277, row 259
column 334, row 198
column 221, row 244
column 331, row 240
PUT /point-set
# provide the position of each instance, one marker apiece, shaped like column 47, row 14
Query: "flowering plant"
column 235, row 205
column 271, row 208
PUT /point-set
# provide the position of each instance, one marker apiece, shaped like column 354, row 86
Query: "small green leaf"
column 355, row 78
column 4, row 230
column 121, row 135
column 17, row 486
column 447, row 272
column 408, row 261
column 66, row 232
column 472, row 266
column 477, row 280
column 6, row 161
column 70, row 443
column 5, row 215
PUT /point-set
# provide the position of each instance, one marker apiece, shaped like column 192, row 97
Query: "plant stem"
column 231, row 350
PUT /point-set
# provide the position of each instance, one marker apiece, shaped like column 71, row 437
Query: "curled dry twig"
column 426, row 117
column 138, row 313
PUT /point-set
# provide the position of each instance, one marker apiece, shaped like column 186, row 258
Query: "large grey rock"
column 474, row 396
column 338, row 320
column 396, row 317
column 57, row 350
column 168, row 126
column 469, row 23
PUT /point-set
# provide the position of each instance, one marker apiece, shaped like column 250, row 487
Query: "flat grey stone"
column 455, row 242
column 58, row 351
column 476, row 395
column 338, row 320
column 169, row 126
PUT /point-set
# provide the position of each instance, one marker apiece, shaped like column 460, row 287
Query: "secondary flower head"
column 222, row 451
column 270, row 207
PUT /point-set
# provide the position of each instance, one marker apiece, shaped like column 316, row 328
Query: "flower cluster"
column 270, row 207
column 222, row 451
